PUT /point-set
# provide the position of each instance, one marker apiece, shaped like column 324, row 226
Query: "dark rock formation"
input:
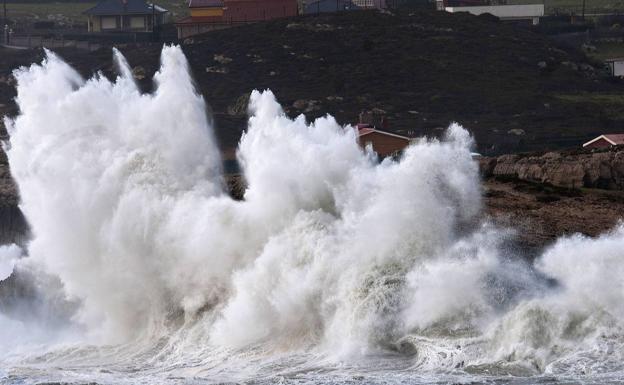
column 602, row 169
column 13, row 225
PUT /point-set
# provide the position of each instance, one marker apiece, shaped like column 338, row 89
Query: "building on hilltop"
column 384, row 143
column 370, row 4
column 616, row 66
column 328, row 6
column 517, row 12
column 125, row 16
column 210, row 15
column 606, row 140
column 206, row 8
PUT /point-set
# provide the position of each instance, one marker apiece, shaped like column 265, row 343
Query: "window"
column 109, row 22
column 137, row 22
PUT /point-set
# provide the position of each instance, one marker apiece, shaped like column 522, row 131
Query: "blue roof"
column 123, row 7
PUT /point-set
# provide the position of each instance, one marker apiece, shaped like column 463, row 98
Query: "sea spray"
column 332, row 257
column 9, row 254
column 99, row 167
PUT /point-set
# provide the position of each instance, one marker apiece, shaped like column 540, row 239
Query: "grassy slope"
column 42, row 11
column 608, row 50
column 445, row 67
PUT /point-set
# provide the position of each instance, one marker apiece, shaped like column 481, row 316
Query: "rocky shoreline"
column 535, row 209
column 596, row 168
column 541, row 196
column 13, row 225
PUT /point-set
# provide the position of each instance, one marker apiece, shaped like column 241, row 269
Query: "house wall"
column 616, row 66
column 138, row 22
column 328, row 6
column 236, row 12
column 509, row 12
column 370, row 3
column 130, row 23
column 254, row 10
column 202, row 12
column 383, row 144
column 95, row 24
column 601, row 143
column 109, row 23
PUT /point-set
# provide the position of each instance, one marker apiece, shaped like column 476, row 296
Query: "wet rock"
column 216, row 70
column 516, row 131
column 602, row 169
column 487, row 165
column 138, row 73
column 307, row 105
column 222, row 59
column 318, row 27
column 239, row 108
column 588, row 48
column 570, row 65
column 9, row 80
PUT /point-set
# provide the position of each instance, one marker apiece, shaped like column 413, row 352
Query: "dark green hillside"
column 513, row 88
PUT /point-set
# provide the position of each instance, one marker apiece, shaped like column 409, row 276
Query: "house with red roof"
column 210, row 15
column 606, row 140
column 383, row 142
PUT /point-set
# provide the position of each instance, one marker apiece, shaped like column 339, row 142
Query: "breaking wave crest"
column 332, row 264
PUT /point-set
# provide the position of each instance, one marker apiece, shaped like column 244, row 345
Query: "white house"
column 531, row 12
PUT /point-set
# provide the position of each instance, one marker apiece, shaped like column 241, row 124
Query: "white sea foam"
column 331, row 259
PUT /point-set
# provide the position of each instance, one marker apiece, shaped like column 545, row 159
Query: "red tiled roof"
column 615, row 138
column 367, row 130
column 205, row 3
column 364, row 131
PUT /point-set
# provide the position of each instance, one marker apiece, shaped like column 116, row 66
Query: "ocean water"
column 334, row 269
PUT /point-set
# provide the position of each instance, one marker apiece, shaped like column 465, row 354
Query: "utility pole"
column 4, row 19
column 154, row 20
column 582, row 12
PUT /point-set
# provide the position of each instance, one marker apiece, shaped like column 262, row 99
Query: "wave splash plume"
column 334, row 267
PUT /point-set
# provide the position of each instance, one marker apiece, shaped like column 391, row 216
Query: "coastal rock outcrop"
column 13, row 225
column 573, row 169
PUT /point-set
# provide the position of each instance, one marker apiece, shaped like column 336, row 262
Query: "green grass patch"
column 611, row 105
column 591, row 6
column 67, row 12
column 608, row 50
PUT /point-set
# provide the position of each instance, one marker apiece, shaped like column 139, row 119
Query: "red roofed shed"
column 254, row 10
column 209, row 15
column 384, row 143
column 606, row 140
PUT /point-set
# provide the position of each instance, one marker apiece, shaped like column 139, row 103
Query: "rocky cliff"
column 13, row 225
column 602, row 169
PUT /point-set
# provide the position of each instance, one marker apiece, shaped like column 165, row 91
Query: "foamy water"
column 334, row 268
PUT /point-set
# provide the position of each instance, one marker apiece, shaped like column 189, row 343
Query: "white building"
column 531, row 12
column 380, row 4
column 616, row 66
